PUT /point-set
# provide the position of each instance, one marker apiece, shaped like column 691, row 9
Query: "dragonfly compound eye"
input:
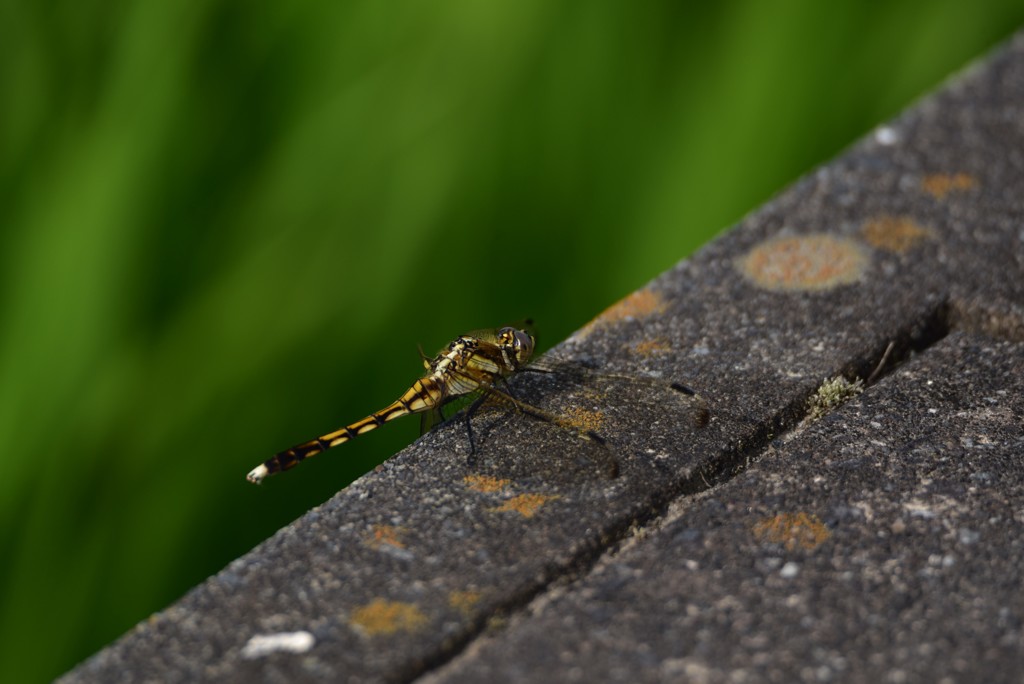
column 523, row 345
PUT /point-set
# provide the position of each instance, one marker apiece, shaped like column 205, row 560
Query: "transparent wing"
column 583, row 374
column 431, row 419
column 492, row 396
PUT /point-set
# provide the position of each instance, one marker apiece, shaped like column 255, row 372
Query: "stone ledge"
column 881, row 543
column 861, row 264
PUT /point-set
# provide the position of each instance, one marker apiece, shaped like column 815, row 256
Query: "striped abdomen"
column 425, row 394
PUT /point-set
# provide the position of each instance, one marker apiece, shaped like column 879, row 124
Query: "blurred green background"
column 226, row 226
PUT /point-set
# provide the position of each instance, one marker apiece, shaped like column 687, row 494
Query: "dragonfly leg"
column 508, row 389
column 611, row 464
column 703, row 415
column 680, row 387
column 471, row 458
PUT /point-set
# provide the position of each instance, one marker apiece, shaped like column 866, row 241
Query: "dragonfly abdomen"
column 425, row 394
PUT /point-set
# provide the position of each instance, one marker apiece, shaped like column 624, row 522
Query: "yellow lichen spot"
column 485, row 484
column 654, row 346
column 793, row 530
column 806, row 262
column 938, row 185
column 381, row 617
column 894, row 233
column 525, row 505
column 464, row 601
column 582, row 419
column 385, row 534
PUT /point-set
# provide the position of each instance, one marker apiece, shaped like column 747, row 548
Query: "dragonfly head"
column 517, row 345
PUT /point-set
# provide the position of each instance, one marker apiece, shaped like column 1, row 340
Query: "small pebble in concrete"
column 282, row 642
column 886, row 135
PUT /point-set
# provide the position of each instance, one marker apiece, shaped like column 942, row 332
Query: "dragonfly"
column 479, row 362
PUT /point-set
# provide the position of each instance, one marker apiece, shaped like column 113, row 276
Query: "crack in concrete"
column 915, row 337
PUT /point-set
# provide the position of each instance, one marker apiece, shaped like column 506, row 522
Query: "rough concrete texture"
column 882, row 541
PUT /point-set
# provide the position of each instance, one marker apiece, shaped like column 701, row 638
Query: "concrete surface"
column 884, row 542
column 881, row 542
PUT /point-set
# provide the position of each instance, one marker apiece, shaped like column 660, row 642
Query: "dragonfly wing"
column 602, row 454
column 585, row 374
column 430, row 419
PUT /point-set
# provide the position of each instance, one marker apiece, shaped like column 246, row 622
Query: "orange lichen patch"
column 485, row 484
column 793, row 530
column 525, row 505
column 464, row 601
column 807, row 262
column 894, row 233
column 639, row 304
column 385, row 534
column 592, row 394
column 654, row 346
column 387, row 617
column 582, row 419
column 938, row 185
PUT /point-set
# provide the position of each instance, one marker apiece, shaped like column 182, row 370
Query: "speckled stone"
column 883, row 540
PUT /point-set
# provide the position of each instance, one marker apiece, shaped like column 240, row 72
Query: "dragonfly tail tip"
column 257, row 474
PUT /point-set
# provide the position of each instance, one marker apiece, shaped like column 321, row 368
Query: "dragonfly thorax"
column 455, row 355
